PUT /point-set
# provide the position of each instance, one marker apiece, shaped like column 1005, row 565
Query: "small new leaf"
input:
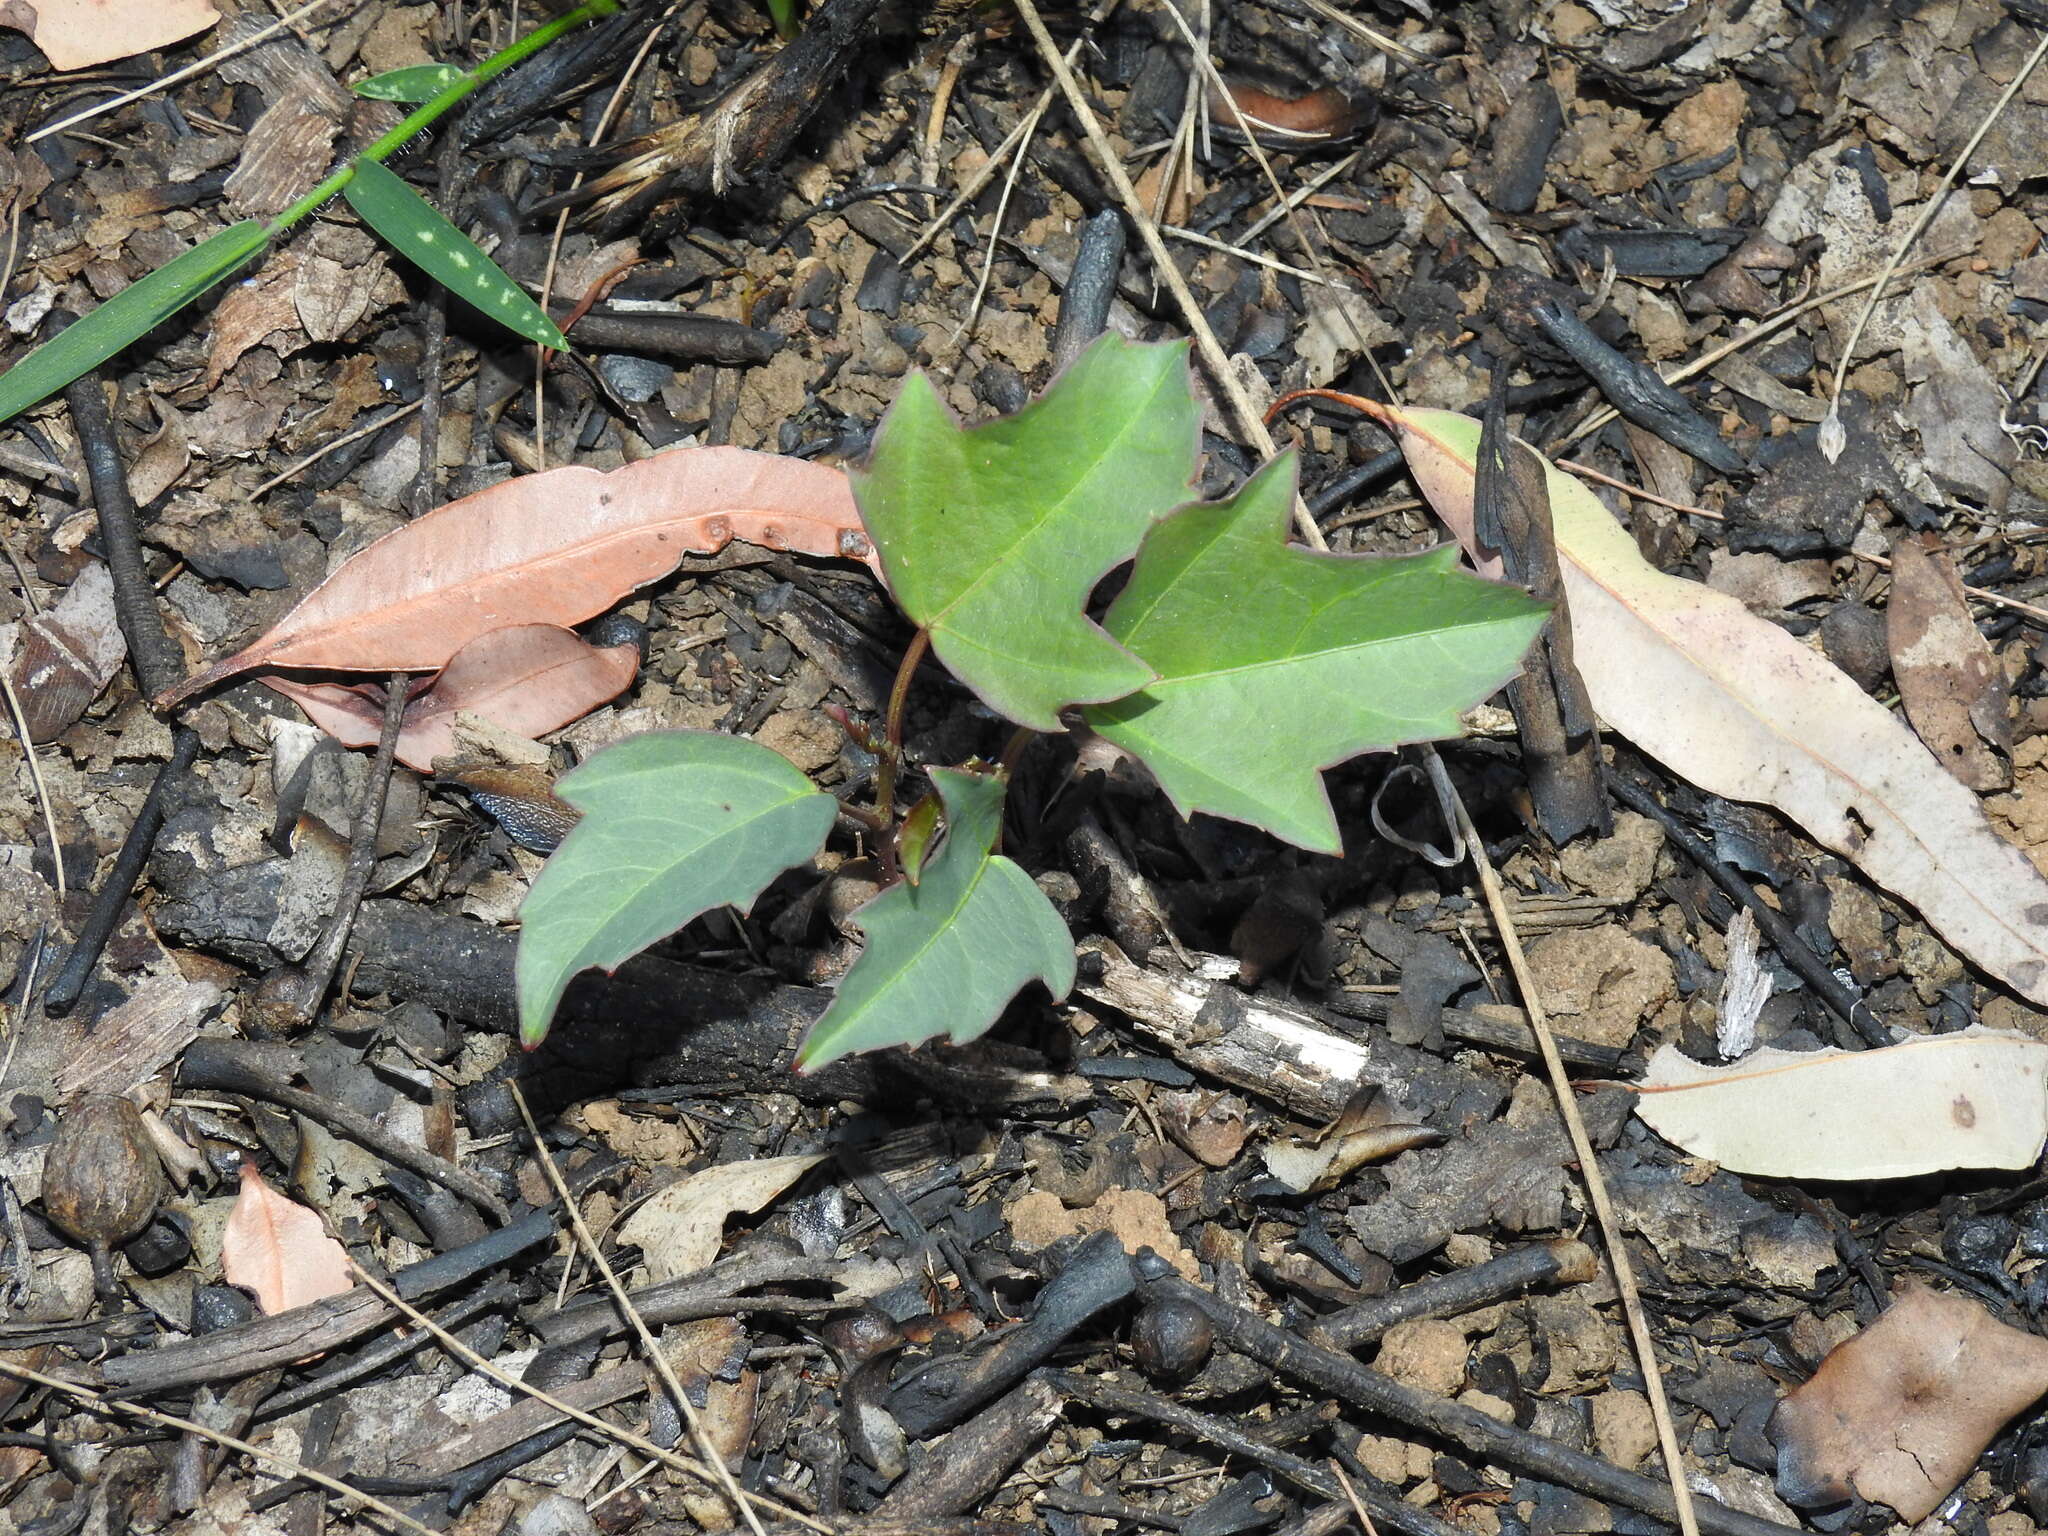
column 1276, row 662
column 420, row 234
column 674, row 824
column 413, row 83
column 992, row 537
column 129, row 315
column 945, row 955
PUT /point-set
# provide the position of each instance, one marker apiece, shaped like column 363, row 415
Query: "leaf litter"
column 744, row 647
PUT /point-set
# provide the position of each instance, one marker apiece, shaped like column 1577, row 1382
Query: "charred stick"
column 1840, row 999
column 158, row 665
column 674, row 1301
column 1332, row 495
column 527, row 1417
column 1091, row 286
column 1635, row 391
column 471, row 1259
column 291, row 995
column 1477, row 1433
column 1566, row 1261
column 226, row 1066
column 690, row 338
column 1103, row 1507
column 1134, row 1402
column 388, row 1350
column 945, row 1392
column 846, row 197
column 977, row 1456
column 747, row 129
column 112, row 896
column 198, row 1460
column 286, row 1337
column 1560, row 736
column 442, row 1215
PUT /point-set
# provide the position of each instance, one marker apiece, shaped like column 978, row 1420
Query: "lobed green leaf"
column 413, row 83
column 993, row 537
column 674, row 824
column 419, row 232
column 129, row 315
column 1276, row 661
column 945, row 955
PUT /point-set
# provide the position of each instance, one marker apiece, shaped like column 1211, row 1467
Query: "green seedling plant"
column 1233, row 665
column 407, row 221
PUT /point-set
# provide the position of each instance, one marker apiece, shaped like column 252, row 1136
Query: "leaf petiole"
column 892, row 742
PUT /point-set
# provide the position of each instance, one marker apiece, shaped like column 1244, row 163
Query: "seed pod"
column 1172, row 1340
column 102, row 1180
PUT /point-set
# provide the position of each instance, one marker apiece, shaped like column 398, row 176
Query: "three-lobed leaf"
column 674, row 824
column 1276, row 661
column 992, row 537
column 423, row 236
column 944, row 956
column 129, row 315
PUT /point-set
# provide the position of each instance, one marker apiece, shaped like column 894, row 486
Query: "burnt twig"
column 113, row 894
column 1636, row 391
column 1091, row 286
column 1134, row 1402
column 1795, row 951
column 946, row 1391
column 291, row 995
column 158, row 663
column 1566, row 1260
column 226, row 1065
column 976, row 1457
column 286, row 1337
column 1478, row 1433
column 1560, row 735
column 747, row 129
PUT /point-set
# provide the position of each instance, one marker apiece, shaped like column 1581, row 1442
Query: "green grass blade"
column 128, row 316
column 414, row 83
column 445, row 253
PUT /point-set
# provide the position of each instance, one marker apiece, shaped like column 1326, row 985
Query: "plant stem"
column 1013, row 749
column 433, row 109
column 892, row 744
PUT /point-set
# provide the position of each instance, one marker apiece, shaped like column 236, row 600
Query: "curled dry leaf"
column 1371, row 1129
column 278, row 1250
column 1952, row 686
column 1738, row 707
column 60, row 659
column 678, row 1229
column 1319, row 117
column 1974, row 1099
column 1900, row 1413
column 553, row 548
column 527, row 678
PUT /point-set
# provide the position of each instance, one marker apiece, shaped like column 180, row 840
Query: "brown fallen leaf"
column 1319, row 117
column 553, row 548
column 278, row 1250
column 77, row 34
column 679, row 1228
column 527, row 678
column 1952, row 686
column 60, row 659
column 1738, row 707
column 1972, row 1099
column 1900, row 1413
